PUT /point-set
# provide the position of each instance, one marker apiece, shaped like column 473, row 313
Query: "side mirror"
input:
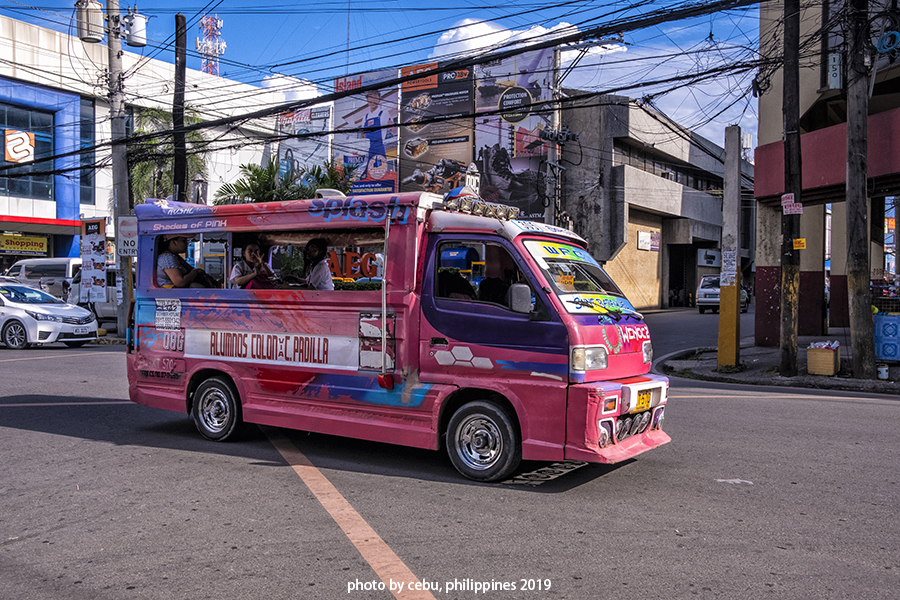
column 520, row 298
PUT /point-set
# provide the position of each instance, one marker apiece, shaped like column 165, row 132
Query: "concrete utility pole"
column 793, row 184
column 180, row 158
column 862, row 329
column 729, row 354
column 121, row 205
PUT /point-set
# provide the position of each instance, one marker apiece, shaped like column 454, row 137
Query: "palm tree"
column 329, row 175
column 150, row 161
column 259, row 183
column 262, row 183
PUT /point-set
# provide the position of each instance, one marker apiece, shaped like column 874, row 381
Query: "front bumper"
column 47, row 332
column 604, row 419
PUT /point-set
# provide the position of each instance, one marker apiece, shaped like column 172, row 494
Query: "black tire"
column 15, row 335
column 75, row 344
column 702, row 309
column 483, row 441
column 216, row 410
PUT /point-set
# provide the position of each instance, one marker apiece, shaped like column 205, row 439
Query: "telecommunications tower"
column 211, row 46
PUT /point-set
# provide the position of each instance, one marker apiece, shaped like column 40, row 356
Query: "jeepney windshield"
column 577, row 279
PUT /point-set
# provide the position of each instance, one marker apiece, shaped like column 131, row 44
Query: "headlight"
column 589, row 359
column 648, row 352
column 43, row 317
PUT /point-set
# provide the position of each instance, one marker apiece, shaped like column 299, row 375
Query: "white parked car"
column 708, row 295
column 29, row 316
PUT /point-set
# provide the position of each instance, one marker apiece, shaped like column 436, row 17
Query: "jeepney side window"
column 354, row 256
column 476, row 271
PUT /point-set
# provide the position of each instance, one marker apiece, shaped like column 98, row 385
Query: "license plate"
column 82, row 330
column 643, row 401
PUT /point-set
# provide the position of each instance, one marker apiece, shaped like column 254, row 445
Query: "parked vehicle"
column 29, row 316
column 53, row 275
column 105, row 311
column 708, row 295
column 541, row 359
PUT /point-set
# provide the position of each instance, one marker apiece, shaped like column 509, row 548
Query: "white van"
column 105, row 311
column 53, row 275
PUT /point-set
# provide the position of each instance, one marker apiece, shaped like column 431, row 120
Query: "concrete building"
column 823, row 127
column 53, row 100
column 647, row 194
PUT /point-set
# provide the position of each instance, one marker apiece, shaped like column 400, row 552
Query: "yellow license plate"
column 643, row 401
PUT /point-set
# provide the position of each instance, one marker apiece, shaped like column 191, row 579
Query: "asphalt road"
column 763, row 493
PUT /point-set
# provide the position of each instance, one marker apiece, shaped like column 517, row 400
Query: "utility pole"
column 180, row 158
column 729, row 353
column 862, row 329
column 793, row 184
column 121, row 205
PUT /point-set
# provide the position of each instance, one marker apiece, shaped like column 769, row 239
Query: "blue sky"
column 303, row 40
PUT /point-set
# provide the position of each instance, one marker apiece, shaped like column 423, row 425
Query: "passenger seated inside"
column 252, row 272
column 453, row 285
column 315, row 255
column 499, row 271
column 173, row 271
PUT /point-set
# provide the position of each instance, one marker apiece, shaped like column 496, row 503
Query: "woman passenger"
column 171, row 269
column 252, row 272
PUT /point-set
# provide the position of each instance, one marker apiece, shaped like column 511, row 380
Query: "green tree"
column 262, row 183
column 328, row 175
column 150, row 161
column 259, row 183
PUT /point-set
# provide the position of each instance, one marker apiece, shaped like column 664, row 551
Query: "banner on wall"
column 434, row 156
column 93, row 261
column 23, row 245
column 372, row 145
column 509, row 149
column 302, row 153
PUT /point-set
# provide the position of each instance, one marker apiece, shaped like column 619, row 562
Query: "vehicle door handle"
column 439, row 342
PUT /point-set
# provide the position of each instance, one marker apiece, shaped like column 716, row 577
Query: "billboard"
column 364, row 137
column 509, row 150
column 305, row 152
column 434, row 155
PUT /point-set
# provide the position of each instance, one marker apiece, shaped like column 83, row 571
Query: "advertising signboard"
column 434, row 156
column 364, row 137
column 23, row 245
column 93, row 260
column 508, row 145
column 298, row 153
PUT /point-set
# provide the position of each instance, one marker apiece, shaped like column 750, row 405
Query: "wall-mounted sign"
column 709, row 258
column 648, row 240
column 18, row 146
column 20, row 244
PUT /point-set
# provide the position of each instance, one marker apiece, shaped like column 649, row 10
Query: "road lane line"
column 23, row 404
column 386, row 564
column 787, row 397
column 50, row 356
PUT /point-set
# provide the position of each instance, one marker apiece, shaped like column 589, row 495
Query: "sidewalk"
column 761, row 366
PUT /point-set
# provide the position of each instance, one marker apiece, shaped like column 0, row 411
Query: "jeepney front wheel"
column 217, row 410
column 483, row 442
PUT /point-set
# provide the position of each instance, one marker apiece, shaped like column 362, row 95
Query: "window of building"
column 86, row 140
column 28, row 137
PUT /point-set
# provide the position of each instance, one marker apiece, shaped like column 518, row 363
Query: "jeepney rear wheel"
column 483, row 442
column 217, row 410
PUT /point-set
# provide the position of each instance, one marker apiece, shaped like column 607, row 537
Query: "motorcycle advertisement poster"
column 295, row 154
column 436, row 132
column 508, row 122
column 366, row 135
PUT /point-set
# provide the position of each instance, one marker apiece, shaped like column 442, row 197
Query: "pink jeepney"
column 499, row 339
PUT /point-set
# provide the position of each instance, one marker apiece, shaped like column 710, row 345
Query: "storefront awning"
column 37, row 225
